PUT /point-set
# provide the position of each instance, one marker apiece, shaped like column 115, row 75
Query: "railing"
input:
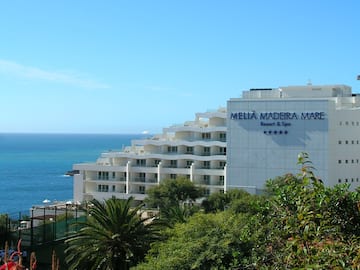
column 48, row 227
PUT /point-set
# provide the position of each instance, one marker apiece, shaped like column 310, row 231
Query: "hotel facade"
column 195, row 150
column 256, row 138
column 268, row 128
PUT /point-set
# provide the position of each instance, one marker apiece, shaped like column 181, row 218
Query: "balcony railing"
column 143, row 180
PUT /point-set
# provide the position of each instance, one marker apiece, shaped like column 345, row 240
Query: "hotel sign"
column 277, row 119
column 277, row 115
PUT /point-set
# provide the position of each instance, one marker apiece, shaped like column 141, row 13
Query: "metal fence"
column 41, row 225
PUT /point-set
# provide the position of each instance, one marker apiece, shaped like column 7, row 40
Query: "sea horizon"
column 33, row 166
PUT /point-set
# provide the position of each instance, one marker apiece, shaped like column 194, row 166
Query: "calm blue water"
column 32, row 166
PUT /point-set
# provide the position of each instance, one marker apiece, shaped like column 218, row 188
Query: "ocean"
column 33, row 166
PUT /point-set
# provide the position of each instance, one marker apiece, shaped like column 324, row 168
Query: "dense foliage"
column 300, row 224
column 173, row 192
column 113, row 237
column 297, row 224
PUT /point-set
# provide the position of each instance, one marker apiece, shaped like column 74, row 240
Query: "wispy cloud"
column 168, row 90
column 34, row 73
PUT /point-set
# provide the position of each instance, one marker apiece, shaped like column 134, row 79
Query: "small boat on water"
column 72, row 172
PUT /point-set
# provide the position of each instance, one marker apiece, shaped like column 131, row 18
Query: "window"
column 173, row 163
column 103, row 175
column 172, row 176
column 346, row 161
column 142, row 189
column 142, row 177
column 141, row 162
column 103, row 188
column 189, row 150
column 339, row 142
column 339, row 180
column 113, row 188
column 206, row 179
column 157, row 161
column 172, row 149
column 222, row 150
column 206, row 165
column 339, row 161
column 221, row 180
column 206, row 151
column 222, row 164
column 188, row 163
column 113, row 175
column 206, row 136
column 222, row 137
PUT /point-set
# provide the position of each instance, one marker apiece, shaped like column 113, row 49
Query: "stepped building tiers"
column 268, row 128
column 195, row 150
column 257, row 137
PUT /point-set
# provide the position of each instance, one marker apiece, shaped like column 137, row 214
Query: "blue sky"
column 130, row 66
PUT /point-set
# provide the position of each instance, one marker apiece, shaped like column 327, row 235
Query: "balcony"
column 143, row 180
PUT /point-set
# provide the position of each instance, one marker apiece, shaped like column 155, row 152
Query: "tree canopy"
column 113, row 237
column 300, row 224
column 172, row 192
column 297, row 224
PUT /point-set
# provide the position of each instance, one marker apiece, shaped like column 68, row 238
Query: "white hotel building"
column 268, row 128
column 195, row 150
column 257, row 137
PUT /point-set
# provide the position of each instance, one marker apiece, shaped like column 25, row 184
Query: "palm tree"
column 113, row 237
column 177, row 214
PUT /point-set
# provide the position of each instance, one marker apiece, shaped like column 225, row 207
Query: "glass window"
column 206, row 136
column 206, row 164
column 173, row 163
column 172, row 149
column 222, row 137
